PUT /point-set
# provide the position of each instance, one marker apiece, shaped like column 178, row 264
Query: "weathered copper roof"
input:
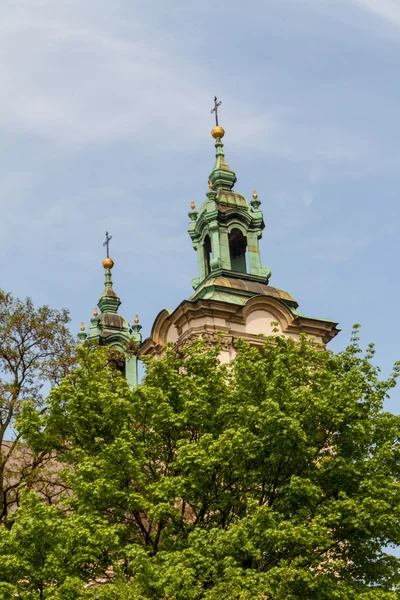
column 229, row 199
column 109, row 292
column 113, row 320
column 229, row 289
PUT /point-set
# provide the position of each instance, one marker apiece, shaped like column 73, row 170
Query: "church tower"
column 111, row 329
column 232, row 297
column 227, row 229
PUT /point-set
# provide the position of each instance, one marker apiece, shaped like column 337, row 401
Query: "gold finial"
column 210, row 184
column 137, row 319
column 95, row 311
column 255, row 195
column 82, row 326
column 192, row 205
column 108, row 263
column 218, row 132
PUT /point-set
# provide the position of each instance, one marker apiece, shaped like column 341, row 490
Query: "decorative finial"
column 136, row 330
column 108, row 263
column 193, row 213
column 95, row 312
column 215, row 109
column 217, row 132
column 210, row 184
column 107, row 243
column 255, row 203
column 82, row 327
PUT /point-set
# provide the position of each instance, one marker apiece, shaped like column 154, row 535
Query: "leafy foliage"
column 276, row 477
column 36, row 349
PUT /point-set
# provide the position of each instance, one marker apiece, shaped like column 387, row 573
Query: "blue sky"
column 105, row 124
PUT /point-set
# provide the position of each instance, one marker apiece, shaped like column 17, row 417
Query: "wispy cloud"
column 70, row 78
column 386, row 9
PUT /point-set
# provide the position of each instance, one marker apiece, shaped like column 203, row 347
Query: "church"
column 232, row 295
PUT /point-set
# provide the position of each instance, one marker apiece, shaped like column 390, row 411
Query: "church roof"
column 237, row 290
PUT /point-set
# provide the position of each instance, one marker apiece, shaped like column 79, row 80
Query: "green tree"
column 274, row 478
column 36, row 350
column 49, row 553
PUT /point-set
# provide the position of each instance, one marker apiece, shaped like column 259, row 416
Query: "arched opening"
column 121, row 366
column 117, row 358
column 207, row 254
column 237, row 251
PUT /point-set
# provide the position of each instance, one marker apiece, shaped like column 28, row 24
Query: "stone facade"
column 223, row 323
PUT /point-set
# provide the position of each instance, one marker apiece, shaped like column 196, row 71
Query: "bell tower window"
column 207, row 254
column 237, row 250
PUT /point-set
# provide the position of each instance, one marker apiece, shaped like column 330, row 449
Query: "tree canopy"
column 36, row 350
column 273, row 478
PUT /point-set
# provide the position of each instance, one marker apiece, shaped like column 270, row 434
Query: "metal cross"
column 215, row 109
column 107, row 243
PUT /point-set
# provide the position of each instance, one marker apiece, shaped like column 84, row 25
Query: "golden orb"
column 210, row 184
column 255, row 195
column 82, row 326
column 218, row 132
column 137, row 319
column 108, row 263
column 192, row 205
column 95, row 312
